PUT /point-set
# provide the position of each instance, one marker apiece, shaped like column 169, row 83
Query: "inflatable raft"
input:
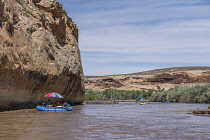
column 142, row 103
column 165, row 102
column 50, row 108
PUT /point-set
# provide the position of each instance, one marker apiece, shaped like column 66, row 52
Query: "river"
column 126, row 120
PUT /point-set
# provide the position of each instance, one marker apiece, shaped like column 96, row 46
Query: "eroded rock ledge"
column 164, row 78
column 39, row 53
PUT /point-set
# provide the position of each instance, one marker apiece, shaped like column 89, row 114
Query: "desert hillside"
column 164, row 78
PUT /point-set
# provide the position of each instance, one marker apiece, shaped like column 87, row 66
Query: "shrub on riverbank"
column 114, row 94
column 186, row 94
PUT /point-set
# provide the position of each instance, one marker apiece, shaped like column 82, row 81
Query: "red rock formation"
column 38, row 54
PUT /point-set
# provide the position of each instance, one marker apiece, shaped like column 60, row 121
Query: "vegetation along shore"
column 185, row 94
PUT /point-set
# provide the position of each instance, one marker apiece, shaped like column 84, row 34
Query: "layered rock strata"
column 39, row 54
column 163, row 78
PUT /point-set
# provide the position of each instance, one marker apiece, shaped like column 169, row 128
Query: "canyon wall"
column 39, row 54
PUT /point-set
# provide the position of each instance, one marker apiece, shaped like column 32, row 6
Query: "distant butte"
column 164, row 78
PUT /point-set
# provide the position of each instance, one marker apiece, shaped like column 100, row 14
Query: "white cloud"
column 159, row 38
column 105, row 14
column 153, row 31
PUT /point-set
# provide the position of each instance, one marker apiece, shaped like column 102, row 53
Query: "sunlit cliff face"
column 39, row 53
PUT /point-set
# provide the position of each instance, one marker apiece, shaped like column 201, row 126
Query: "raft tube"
column 43, row 108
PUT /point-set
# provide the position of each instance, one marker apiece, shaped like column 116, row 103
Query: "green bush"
column 20, row 2
column 114, row 94
column 42, row 11
column 186, row 94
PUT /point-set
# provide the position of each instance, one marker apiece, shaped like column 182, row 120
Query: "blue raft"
column 47, row 108
column 165, row 102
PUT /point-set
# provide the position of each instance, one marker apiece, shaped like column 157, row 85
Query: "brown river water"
column 126, row 120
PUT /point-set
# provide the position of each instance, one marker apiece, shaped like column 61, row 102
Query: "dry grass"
column 21, row 40
column 11, row 4
column 1, row 39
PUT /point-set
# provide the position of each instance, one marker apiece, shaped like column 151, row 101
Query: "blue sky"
column 128, row 36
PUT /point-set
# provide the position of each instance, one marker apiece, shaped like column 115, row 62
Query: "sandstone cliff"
column 38, row 54
column 163, row 78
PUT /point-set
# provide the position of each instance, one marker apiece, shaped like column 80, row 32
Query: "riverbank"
column 203, row 111
column 109, row 102
column 101, row 102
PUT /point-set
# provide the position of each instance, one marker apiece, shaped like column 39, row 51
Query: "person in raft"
column 49, row 102
column 44, row 104
column 65, row 104
column 58, row 103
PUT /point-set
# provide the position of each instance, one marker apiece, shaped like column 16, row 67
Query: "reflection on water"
column 126, row 120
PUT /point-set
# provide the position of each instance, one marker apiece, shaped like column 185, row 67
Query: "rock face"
column 38, row 54
column 163, row 78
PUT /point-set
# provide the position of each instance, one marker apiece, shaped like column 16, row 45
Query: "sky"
column 128, row 36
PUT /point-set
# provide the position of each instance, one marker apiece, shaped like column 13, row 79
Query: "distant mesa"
column 164, row 78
